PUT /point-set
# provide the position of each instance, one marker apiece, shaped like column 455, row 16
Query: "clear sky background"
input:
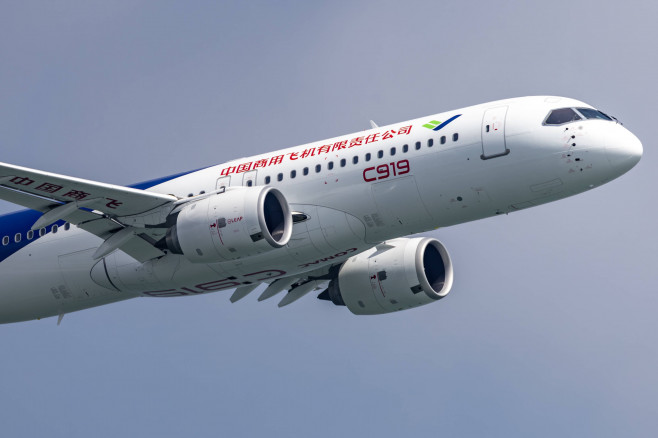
column 550, row 329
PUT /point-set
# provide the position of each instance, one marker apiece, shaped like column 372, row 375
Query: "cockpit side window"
column 561, row 116
column 591, row 113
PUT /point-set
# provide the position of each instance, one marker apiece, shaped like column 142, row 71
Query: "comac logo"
column 435, row 125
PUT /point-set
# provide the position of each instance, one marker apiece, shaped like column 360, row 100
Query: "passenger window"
column 30, row 235
column 67, row 226
column 355, row 159
column 455, row 136
column 443, row 139
column 487, row 128
column 430, row 142
column 561, row 116
column 54, row 229
column 42, row 231
column 305, row 171
column 368, row 156
column 343, row 162
column 17, row 237
column 267, row 180
column 318, row 168
column 417, row 145
column 392, row 151
column 380, row 154
column 330, row 165
column 293, row 173
column 250, row 183
column 405, row 148
column 5, row 240
column 279, row 177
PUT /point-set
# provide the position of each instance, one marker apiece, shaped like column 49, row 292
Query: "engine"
column 396, row 275
column 241, row 222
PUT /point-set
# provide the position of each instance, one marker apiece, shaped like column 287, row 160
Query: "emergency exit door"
column 493, row 133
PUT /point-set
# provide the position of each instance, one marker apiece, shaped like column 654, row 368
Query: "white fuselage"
column 401, row 179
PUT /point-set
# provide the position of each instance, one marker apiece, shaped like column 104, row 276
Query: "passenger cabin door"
column 224, row 181
column 493, row 133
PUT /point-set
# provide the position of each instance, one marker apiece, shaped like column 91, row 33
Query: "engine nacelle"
column 396, row 275
column 241, row 222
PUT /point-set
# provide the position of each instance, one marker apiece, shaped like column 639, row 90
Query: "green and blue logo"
column 435, row 125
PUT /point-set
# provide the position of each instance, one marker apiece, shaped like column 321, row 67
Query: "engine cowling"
column 396, row 275
column 241, row 222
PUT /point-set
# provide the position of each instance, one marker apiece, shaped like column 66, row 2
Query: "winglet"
column 374, row 125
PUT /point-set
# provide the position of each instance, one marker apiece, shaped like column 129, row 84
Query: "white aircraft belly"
column 314, row 246
column 58, row 283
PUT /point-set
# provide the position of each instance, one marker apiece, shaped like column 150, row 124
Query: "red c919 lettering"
column 384, row 171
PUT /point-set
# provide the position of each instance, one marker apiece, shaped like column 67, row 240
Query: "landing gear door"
column 493, row 133
column 249, row 178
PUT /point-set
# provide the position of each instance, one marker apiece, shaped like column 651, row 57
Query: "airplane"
column 328, row 216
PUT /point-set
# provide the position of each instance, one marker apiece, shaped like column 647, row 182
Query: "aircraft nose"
column 623, row 150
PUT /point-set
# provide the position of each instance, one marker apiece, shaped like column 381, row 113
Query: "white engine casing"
column 241, row 222
column 396, row 275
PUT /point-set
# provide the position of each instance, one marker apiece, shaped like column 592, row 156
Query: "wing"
column 96, row 207
column 107, row 198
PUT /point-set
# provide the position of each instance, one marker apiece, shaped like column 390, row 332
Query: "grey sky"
column 550, row 329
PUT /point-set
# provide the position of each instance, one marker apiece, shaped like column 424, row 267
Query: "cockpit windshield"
column 561, row 116
column 591, row 113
